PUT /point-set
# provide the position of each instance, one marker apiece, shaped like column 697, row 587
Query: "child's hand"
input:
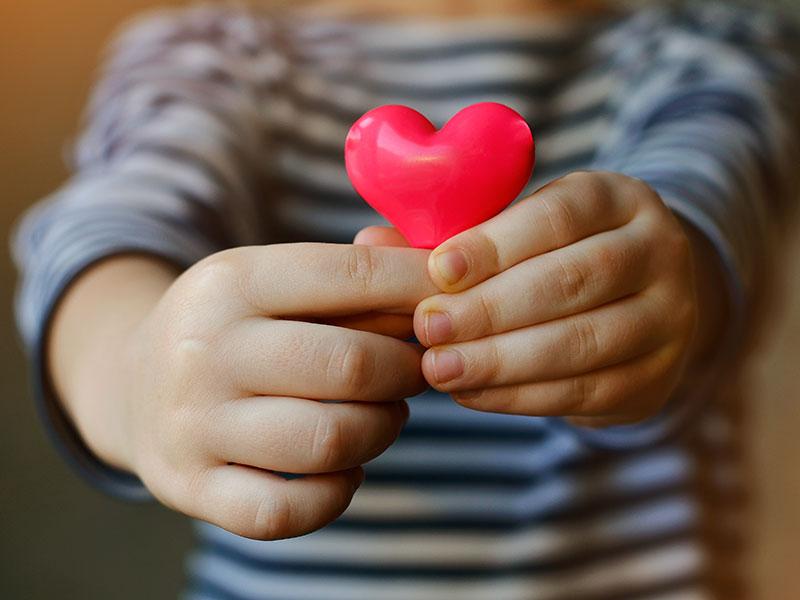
column 223, row 382
column 577, row 301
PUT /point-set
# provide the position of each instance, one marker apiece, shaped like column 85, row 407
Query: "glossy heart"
column 433, row 184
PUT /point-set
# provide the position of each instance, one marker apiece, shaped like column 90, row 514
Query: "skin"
column 585, row 300
column 203, row 383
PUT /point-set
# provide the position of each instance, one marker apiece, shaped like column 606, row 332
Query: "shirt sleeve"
column 707, row 115
column 168, row 165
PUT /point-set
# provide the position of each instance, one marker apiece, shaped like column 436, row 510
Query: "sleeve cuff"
column 99, row 237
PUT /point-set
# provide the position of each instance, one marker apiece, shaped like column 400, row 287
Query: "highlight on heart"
column 432, row 184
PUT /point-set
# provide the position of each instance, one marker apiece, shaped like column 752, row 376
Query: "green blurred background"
column 60, row 539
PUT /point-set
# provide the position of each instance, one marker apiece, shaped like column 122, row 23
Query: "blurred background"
column 60, row 539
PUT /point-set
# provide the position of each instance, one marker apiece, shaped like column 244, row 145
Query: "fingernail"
column 447, row 365
column 452, row 266
column 438, row 328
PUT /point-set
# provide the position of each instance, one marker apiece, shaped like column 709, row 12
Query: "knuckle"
column 478, row 244
column 608, row 192
column 648, row 205
column 614, row 264
column 361, row 263
column 492, row 365
column 221, row 277
column 352, row 364
column 637, row 189
column 583, row 394
column 328, row 442
column 585, row 342
column 593, row 186
column 215, row 274
column 573, row 280
column 483, row 370
column 601, row 191
column 489, row 313
column 581, row 178
column 612, row 259
column 561, row 219
column 272, row 518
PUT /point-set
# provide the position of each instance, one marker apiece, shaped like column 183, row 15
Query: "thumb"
column 380, row 236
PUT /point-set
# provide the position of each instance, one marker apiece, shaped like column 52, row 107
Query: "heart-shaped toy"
column 433, row 184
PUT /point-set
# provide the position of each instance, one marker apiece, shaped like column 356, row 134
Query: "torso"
column 464, row 505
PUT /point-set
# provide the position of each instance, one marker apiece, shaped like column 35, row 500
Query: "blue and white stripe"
column 214, row 127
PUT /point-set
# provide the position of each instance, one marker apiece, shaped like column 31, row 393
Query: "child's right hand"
column 218, row 384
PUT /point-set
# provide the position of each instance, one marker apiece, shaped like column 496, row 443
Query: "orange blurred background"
column 59, row 539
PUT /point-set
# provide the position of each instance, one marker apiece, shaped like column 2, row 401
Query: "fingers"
column 567, row 347
column 564, row 212
column 294, row 435
column 320, row 362
column 380, row 236
column 589, row 273
column 264, row 506
column 294, row 280
column 394, row 325
column 620, row 393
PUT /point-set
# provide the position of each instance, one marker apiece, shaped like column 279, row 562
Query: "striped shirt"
column 215, row 127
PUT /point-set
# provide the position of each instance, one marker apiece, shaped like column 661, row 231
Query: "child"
column 188, row 346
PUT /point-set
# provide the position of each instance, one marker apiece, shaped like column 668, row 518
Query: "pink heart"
column 433, row 184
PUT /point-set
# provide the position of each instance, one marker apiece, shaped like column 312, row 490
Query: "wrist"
column 92, row 345
column 96, row 399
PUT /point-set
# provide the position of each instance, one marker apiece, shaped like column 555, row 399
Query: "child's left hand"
column 577, row 301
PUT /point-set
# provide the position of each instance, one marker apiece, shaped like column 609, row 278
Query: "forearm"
column 87, row 344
